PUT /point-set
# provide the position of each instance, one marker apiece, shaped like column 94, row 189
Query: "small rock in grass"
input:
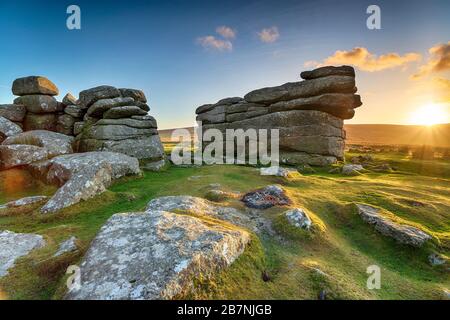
column 352, row 169
column 67, row 246
column 266, row 197
column 298, row 218
column 279, row 172
column 436, row 259
column 15, row 245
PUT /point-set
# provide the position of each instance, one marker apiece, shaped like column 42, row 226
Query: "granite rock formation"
column 309, row 114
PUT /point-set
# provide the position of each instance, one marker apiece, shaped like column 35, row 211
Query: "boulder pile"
column 309, row 114
column 104, row 118
column 36, row 95
column 117, row 120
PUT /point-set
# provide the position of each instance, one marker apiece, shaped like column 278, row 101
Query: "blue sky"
column 154, row 46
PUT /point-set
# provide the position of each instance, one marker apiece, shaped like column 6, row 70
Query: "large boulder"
column 8, row 129
column 17, row 155
column 54, row 143
column 82, row 175
column 16, row 245
column 34, row 85
column 13, row 112
column 38, row 103
column 90, row 96
column 401, row 233
column 64, row 124
column 34, row 121
column 60, row 169
column 303, row 89
column 155, row 255
column 83, row 184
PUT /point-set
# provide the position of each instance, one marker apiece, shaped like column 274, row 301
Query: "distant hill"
column 383, row 134
column 387, row 134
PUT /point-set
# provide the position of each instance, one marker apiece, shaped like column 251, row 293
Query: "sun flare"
column 429, row 115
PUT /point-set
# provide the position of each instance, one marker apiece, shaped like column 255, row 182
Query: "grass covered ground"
column 342, row 248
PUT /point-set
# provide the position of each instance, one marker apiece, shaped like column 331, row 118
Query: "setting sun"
column 429, row 115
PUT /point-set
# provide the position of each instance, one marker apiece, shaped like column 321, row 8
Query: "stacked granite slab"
column 117, row 120
column 71, row 114
column 309, row 114
column 38, row 106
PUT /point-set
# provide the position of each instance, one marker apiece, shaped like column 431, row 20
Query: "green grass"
column 343, row 247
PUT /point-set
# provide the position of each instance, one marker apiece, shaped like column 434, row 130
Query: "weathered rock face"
column 53, row 143
column 402, row 233
column 16, row 245
column 13, row 112
column 34, row 85
column 155, row 255
column 8, row 129
column 308, row 114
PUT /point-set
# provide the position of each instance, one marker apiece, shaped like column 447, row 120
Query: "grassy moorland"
column 416, row 193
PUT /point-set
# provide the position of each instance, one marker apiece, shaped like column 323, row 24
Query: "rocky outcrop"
column 116, row 120
column 16, row 245
column 155, row 255
column 309, row 114
column 401, row 233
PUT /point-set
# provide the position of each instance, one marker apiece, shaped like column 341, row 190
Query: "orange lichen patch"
column 14, row 180
column 3, row 295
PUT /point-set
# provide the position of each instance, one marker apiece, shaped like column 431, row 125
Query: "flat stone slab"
column 16, row 245
column 24, row 202
column 401, row 233
column 34, row 85
column 155, row 255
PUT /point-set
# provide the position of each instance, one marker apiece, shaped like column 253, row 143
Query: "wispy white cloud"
column 269, row 35
column 366, row 61
column 438, row 62
column 213, row 43
column 226, row 32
